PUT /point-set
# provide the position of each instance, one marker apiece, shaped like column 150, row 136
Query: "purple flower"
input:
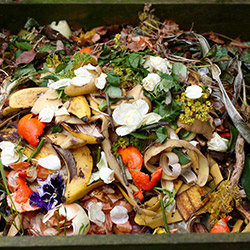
column 50, row 192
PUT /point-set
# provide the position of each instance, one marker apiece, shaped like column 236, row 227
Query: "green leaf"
column 113, row 78
column 142, row 136
column 102, row 106
column 31, row 22
column 104, row 56
column 221, row 52
column 162, row 134
column 60, row 67
column 135, row 60
column 23, row 46
column 169, row 112
column 234, row 134
column 56, row 129
column 180, row 70
column 25, row 70
column 245, row 177
column 17, row 53
column 183, row 158
column 113, row 91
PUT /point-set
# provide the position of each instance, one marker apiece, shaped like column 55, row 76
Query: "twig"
column 154, row 125
column 4, row 72
column 123, row 170
column 115, row 97
column 243, row 211
column 240, row 161
column 211, row 190
column 109, row 112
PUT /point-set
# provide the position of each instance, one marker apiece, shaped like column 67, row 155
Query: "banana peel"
column 88, row 132
column 156, row 220
column 72, row 90
column 189, row 201
column 66, row 141
column 79, row 164
column 26, row 98
column 79, row 107
column 9, row 110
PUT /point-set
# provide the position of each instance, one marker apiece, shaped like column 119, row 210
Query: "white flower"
column 119, row 215
column 193, row 92
column 47, row 114
column 62, row 27
column 104, row 172
column 9, row 154
column 132, row 116
column 51, row 162
column 150, row 81
column 100, row 81
column 60, row 83
column 218, row 143
column 154, row 63
column 96, row 214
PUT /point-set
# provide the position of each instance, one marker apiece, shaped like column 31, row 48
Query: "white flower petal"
column 84, row 71
column 141, row 106
column 119, row 215
column 107, row 175
column 100, row 81
column 218, row 143
column 151, row 118
column 47, row 114
column 60, row 83
column 62, row 27
column 96, row 214
column 102, row 162
column 193, row 92
column 51, row 162
column 80, row 81
column 150, row 81
column 125, row 130
column 94, row 177
column 8, row 154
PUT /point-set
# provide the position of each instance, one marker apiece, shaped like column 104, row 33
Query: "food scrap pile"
column 123, row 130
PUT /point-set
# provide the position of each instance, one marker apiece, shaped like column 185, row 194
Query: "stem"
column 164, row 217
column 37, row 149
column 199, row 66
column 12, row 202
column 211, row 190
column 123, row 170
column 115, row 97
column 99, row 154
column 109, row 112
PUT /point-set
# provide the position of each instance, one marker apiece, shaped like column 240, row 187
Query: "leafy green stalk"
column 39, row 146
column 164, row 217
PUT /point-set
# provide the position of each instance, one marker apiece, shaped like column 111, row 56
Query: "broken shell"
column 74, row 214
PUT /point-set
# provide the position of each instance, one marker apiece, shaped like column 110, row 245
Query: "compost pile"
column 120, row 130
